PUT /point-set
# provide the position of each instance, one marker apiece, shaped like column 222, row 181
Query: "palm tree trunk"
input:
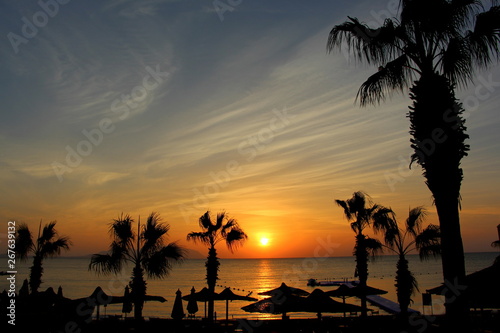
column 361, row 254
column 212, row 266
column 404, row 285
column 438, row 140
column 36, row 272
column 138, row 291
column 454, row 265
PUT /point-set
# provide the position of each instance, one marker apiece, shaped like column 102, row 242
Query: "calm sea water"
column 244, row 276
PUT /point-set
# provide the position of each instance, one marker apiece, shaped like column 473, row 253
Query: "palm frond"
column 347, row 211
column 24, row 241
column 52, row 248
column 395, row 75
column 359, row 201
column 384, row 221
column 496, row 243
column 199, row 237
column 414, row 221
column 160, row 263
column 463, row 12
column 373, row 246
column 366, row 44
column 428, row 242
column 48, row 232
column 105, row 264
column 121, row 230
column 456, row 61
column 119, row 252
column 484, row 40
column 221, row 217
column 205, row 221
column 235, row 238
column 231, row 223
column 153, row 233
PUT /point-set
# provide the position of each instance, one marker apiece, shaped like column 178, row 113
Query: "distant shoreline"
column 87, row 256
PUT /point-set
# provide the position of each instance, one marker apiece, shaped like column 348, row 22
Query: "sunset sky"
column 185, row 106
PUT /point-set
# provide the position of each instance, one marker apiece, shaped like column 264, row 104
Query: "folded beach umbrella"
column 227, row 295
column 192, row 306
column 178, row 310
column 285, row 290
column 127, row 302
column 203, row 295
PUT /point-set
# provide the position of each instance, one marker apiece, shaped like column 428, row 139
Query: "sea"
column 244, row 277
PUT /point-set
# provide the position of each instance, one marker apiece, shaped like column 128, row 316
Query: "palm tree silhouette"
column 359, row 212
column 401, row 242
column 440, row 43
column 213, row 232
column 47, row 244
column 145, row 250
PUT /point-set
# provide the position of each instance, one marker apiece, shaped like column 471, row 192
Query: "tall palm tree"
column 222, row 229
column 427, row 241
column 440, row 44
column 47, row 244
column 359, row 212
column 145, row 250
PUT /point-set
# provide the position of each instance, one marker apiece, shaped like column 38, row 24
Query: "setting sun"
column 264, row 241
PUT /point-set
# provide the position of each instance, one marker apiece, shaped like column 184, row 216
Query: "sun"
column 264, row 241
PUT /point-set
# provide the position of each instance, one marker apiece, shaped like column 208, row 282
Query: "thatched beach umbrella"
column 99, row 297
column 277, row 304
column 358, row 291
column 319, row 302
column 283, row 289
column 227, row 295
column 482, row 288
